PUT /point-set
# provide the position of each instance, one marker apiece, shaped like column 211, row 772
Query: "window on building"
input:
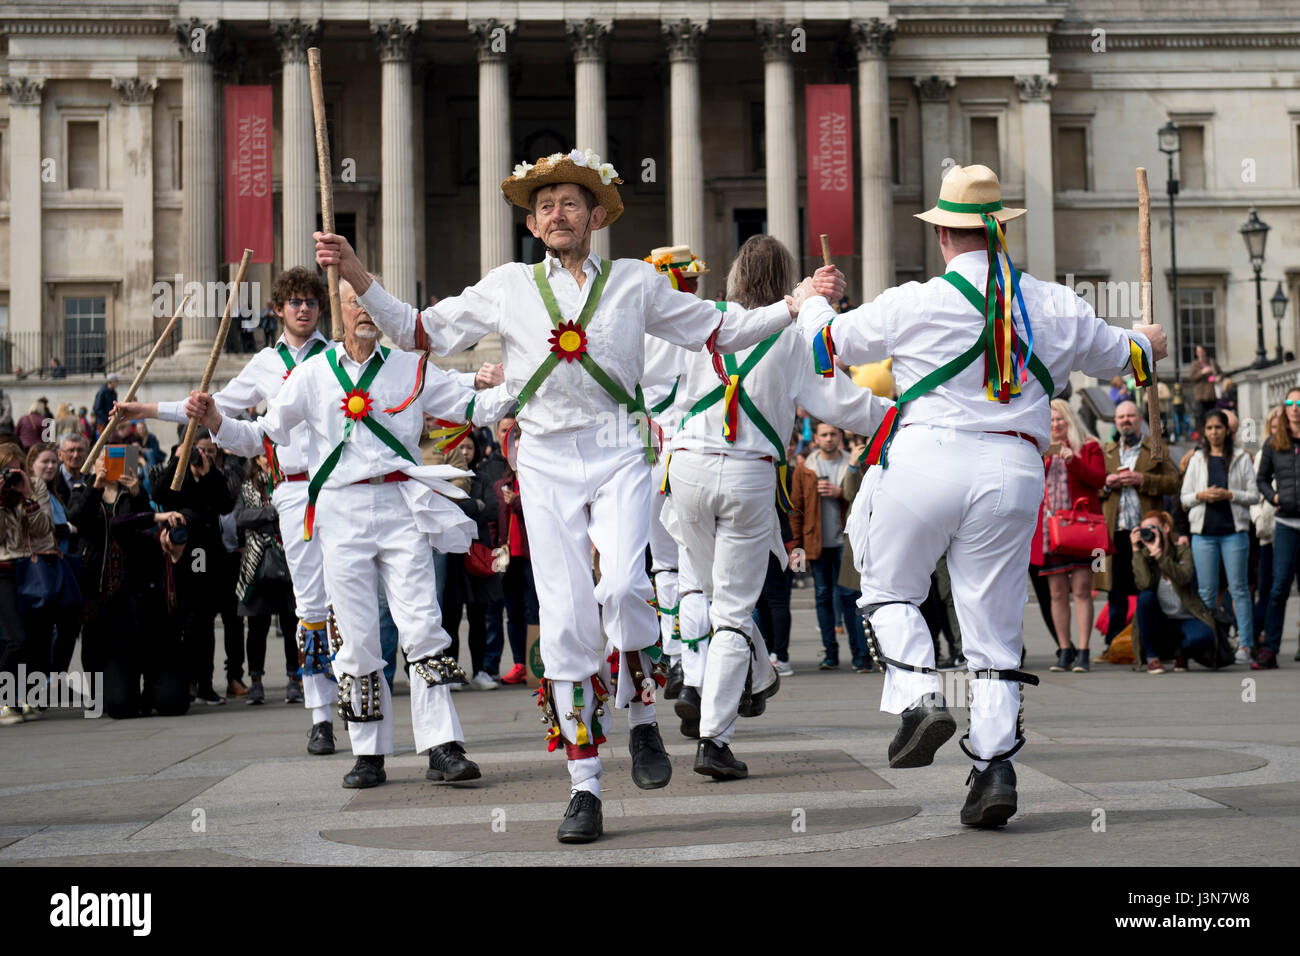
column 748, row 222
column 895, row 152
column 83, row 333
column 83, row 155
column 1191, row 157
column 1071, row 154
column 1196, row 321
column 757, row 130
column 984, row 149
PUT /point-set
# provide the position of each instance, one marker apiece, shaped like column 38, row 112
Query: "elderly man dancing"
column 978, row 353
column 376, row 511
column 572, row 328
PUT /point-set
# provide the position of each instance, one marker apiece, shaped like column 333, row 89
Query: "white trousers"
column 726, row 509
column 676, row 585
column 307, row 569
column 974, row 495
column 366, row 534
column 576, row 492
column 693, row 619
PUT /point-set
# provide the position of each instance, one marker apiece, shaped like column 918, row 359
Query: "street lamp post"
column 1255, row 232
column 1278, row 303
column 1169, row 139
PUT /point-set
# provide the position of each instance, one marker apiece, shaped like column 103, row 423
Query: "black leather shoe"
column 367, row 772
column 651, row 768
column 676, row 681
column 688, row 709
column 1064, row 659
column 924, row 730
column 448, row 762
column 716, row 760
column 758, row 701
column 992, row 797
column 582, row 822
column 321, row 740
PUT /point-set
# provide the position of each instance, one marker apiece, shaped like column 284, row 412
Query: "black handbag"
column 274, row 567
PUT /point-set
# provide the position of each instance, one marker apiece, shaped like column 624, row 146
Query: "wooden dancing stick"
column 325, row 168
column 187, row 446
column 1144, row 257
column 826, row 249
column 116, row 417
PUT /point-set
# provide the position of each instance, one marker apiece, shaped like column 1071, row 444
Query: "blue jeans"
column 1263, row 585
column 1161, row 634
column 387, row 637
column 826, row 571
column 496, row 638
column 848, row 601
column 1286, row 542
column 1234, row 549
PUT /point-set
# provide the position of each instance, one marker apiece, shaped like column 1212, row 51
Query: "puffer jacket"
column 1279, row 474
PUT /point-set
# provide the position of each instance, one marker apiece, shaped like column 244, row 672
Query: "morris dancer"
column 572, row 328
column 683, row 610
column 376, row 511
column 964, row 472
column 726, row 472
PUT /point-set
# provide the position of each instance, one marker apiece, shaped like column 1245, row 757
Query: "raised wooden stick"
column 1144, row 258
column 325, row 171
column 116, row 417
column 187, row 446
column 826, row 249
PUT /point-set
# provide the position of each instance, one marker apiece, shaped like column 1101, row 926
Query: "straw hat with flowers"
column 581, row 167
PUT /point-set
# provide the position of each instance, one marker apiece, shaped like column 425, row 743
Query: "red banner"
column 830, row 167
column 248, row 172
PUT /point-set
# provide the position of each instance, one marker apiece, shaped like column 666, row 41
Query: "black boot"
column 992, row 797
column 321, row 740
column 448, row 762
column 757, row 702
column 368, row 771
column 1064, row 659
column 688, row 709
column 582, row 822
column 716, row 760
column 924, row 730
column 676, row 680
column 651, row 768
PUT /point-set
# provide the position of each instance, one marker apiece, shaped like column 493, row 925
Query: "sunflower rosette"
column 569, row 341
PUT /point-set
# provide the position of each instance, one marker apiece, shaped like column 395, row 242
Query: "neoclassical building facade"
column 111, row 142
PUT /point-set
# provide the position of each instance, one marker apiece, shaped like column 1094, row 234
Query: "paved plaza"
column 1121, row 768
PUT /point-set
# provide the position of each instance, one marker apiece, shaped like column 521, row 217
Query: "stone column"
column 201, row 152
column 137, row 200
column 686, row 157
column 936, row 146
column 495, row 162
column 780, row 140
column 588, row 38
column 872, row 38
column 1040, row 223
column 299, row 170
column 26, row 289
column 395, row 40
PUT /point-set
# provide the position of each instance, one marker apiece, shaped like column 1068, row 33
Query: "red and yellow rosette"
column 357, row 404
column 569, row 341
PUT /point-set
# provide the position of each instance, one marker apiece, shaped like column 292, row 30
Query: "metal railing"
column 29, row 354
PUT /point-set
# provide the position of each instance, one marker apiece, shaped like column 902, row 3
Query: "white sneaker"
column 1243, row 655
column 772, row 657
column 783, row 668
column 31, row 713
column 483, row 681
column 10, row 715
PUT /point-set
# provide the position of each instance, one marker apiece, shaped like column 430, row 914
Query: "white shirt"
column 782, row 379
column 926, row 325
column 260, row 381
column 312, row 401
column 665, row 366
column 636, row 301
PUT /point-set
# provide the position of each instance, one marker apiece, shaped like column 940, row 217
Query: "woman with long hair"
column 1218, row 490
column 1278, row 483
column 1075, row 468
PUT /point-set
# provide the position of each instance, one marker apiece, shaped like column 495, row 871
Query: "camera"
column 11, row 487
column 1149, row 535
column 178, row 534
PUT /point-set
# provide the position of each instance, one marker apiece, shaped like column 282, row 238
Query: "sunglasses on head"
column 300, row 303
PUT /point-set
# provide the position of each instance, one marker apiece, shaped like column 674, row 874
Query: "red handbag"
column 478, row 561
column 1078, row 533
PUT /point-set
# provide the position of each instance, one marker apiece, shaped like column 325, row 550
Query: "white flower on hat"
column 554, row 157
column 579, row 157
column 607, row 173
column 592, row 159
column 521, row 170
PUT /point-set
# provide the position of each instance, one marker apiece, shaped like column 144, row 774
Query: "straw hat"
column 581, row 167
column 966, row 192
column 678, row 258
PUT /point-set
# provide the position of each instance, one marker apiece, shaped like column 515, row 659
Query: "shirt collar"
column 346, row 359
column 553, row 264
column 316, row 336
column 971, row 263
